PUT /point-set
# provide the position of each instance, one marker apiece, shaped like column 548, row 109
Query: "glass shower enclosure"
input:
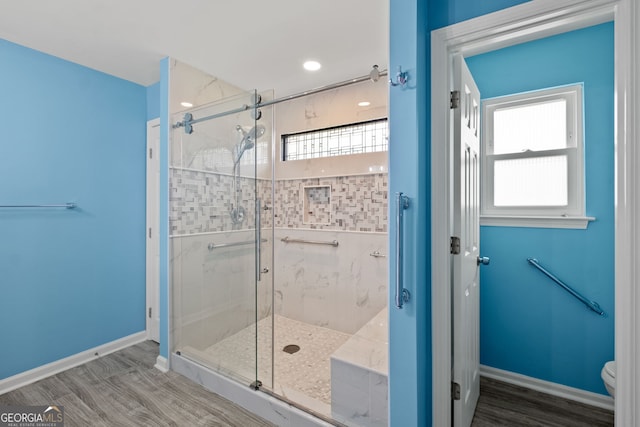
column 222, row 239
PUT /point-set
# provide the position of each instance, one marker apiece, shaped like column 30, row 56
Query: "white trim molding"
column 554, row 389
column 627, row 246
column 162, row 364
column 530, row 21
column 569, row 145
column 152, row 248
column 44, row 371
column 577, row 222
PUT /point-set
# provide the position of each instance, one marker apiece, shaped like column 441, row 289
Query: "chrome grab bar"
column 258, row 240
column 312, row 242
column 377, row 254
column 213, row 246
column 591, row 305
column 402, row 294
column 64, row 205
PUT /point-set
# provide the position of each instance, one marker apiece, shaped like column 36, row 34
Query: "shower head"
column 248, row 139
column 248, row 144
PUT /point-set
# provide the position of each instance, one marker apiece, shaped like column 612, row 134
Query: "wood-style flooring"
column 124, row 389
column 502, row 404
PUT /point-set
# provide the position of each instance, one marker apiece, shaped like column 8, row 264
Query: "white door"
column 153, row 219
column 466, row 227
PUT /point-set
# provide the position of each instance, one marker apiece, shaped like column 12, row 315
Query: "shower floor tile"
column 303, row 375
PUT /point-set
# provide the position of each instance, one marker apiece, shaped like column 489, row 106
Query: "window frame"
column 573, row 215
column 284, row 137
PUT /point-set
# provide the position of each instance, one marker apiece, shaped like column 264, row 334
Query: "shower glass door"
column 216, row 239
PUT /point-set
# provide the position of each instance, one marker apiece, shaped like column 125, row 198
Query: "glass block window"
column 533, row 154
column 365, row 137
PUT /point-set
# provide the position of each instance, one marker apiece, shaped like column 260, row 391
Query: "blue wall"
column 529, row 325
column 409, row 171
column 70, row 280
column 153, row 101
column 448, row 12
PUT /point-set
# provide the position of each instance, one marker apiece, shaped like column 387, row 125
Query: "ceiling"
column 252, row 44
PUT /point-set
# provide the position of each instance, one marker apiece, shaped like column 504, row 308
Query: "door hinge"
column 454, row 99
column 149, row 312
column 149, row 232
column 455, row 245
column 151, row 153
column 455, row 391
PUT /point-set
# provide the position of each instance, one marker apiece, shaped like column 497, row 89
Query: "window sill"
column 576, row 222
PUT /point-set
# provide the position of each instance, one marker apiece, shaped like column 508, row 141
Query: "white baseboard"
column 162, row 364
column 44, row 371
column 582, row 396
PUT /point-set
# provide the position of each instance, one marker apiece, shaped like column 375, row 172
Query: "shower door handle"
column 258, row 241
column 402, row 295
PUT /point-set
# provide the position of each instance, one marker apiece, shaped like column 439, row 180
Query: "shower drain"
column 291, row 348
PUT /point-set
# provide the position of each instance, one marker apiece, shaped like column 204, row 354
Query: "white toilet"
column 609, row 377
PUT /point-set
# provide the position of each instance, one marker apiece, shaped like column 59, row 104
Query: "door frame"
column 530, row 21
column 152, row 231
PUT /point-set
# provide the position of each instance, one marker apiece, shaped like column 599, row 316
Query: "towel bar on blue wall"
column 591, row 305
column 64, row 205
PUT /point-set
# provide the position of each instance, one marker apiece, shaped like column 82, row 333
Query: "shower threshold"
column 302, row 377
column 277, row 410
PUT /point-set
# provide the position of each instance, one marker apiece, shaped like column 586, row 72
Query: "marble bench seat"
column 359, row 371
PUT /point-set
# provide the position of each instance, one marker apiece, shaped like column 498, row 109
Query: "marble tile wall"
column 359, row 397
column 213, row 144
column 213, row 289
column 324, row 110
column 200, row 201
column 340, row 288
column 317, row 205
column 359, row 376
column 188, row 84
column 358, row 203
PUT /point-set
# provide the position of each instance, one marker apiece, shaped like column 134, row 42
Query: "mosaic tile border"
column 200, row 202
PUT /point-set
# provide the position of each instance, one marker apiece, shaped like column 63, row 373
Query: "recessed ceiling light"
column 312, row 65
column 186, row 104
column 364, row 104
